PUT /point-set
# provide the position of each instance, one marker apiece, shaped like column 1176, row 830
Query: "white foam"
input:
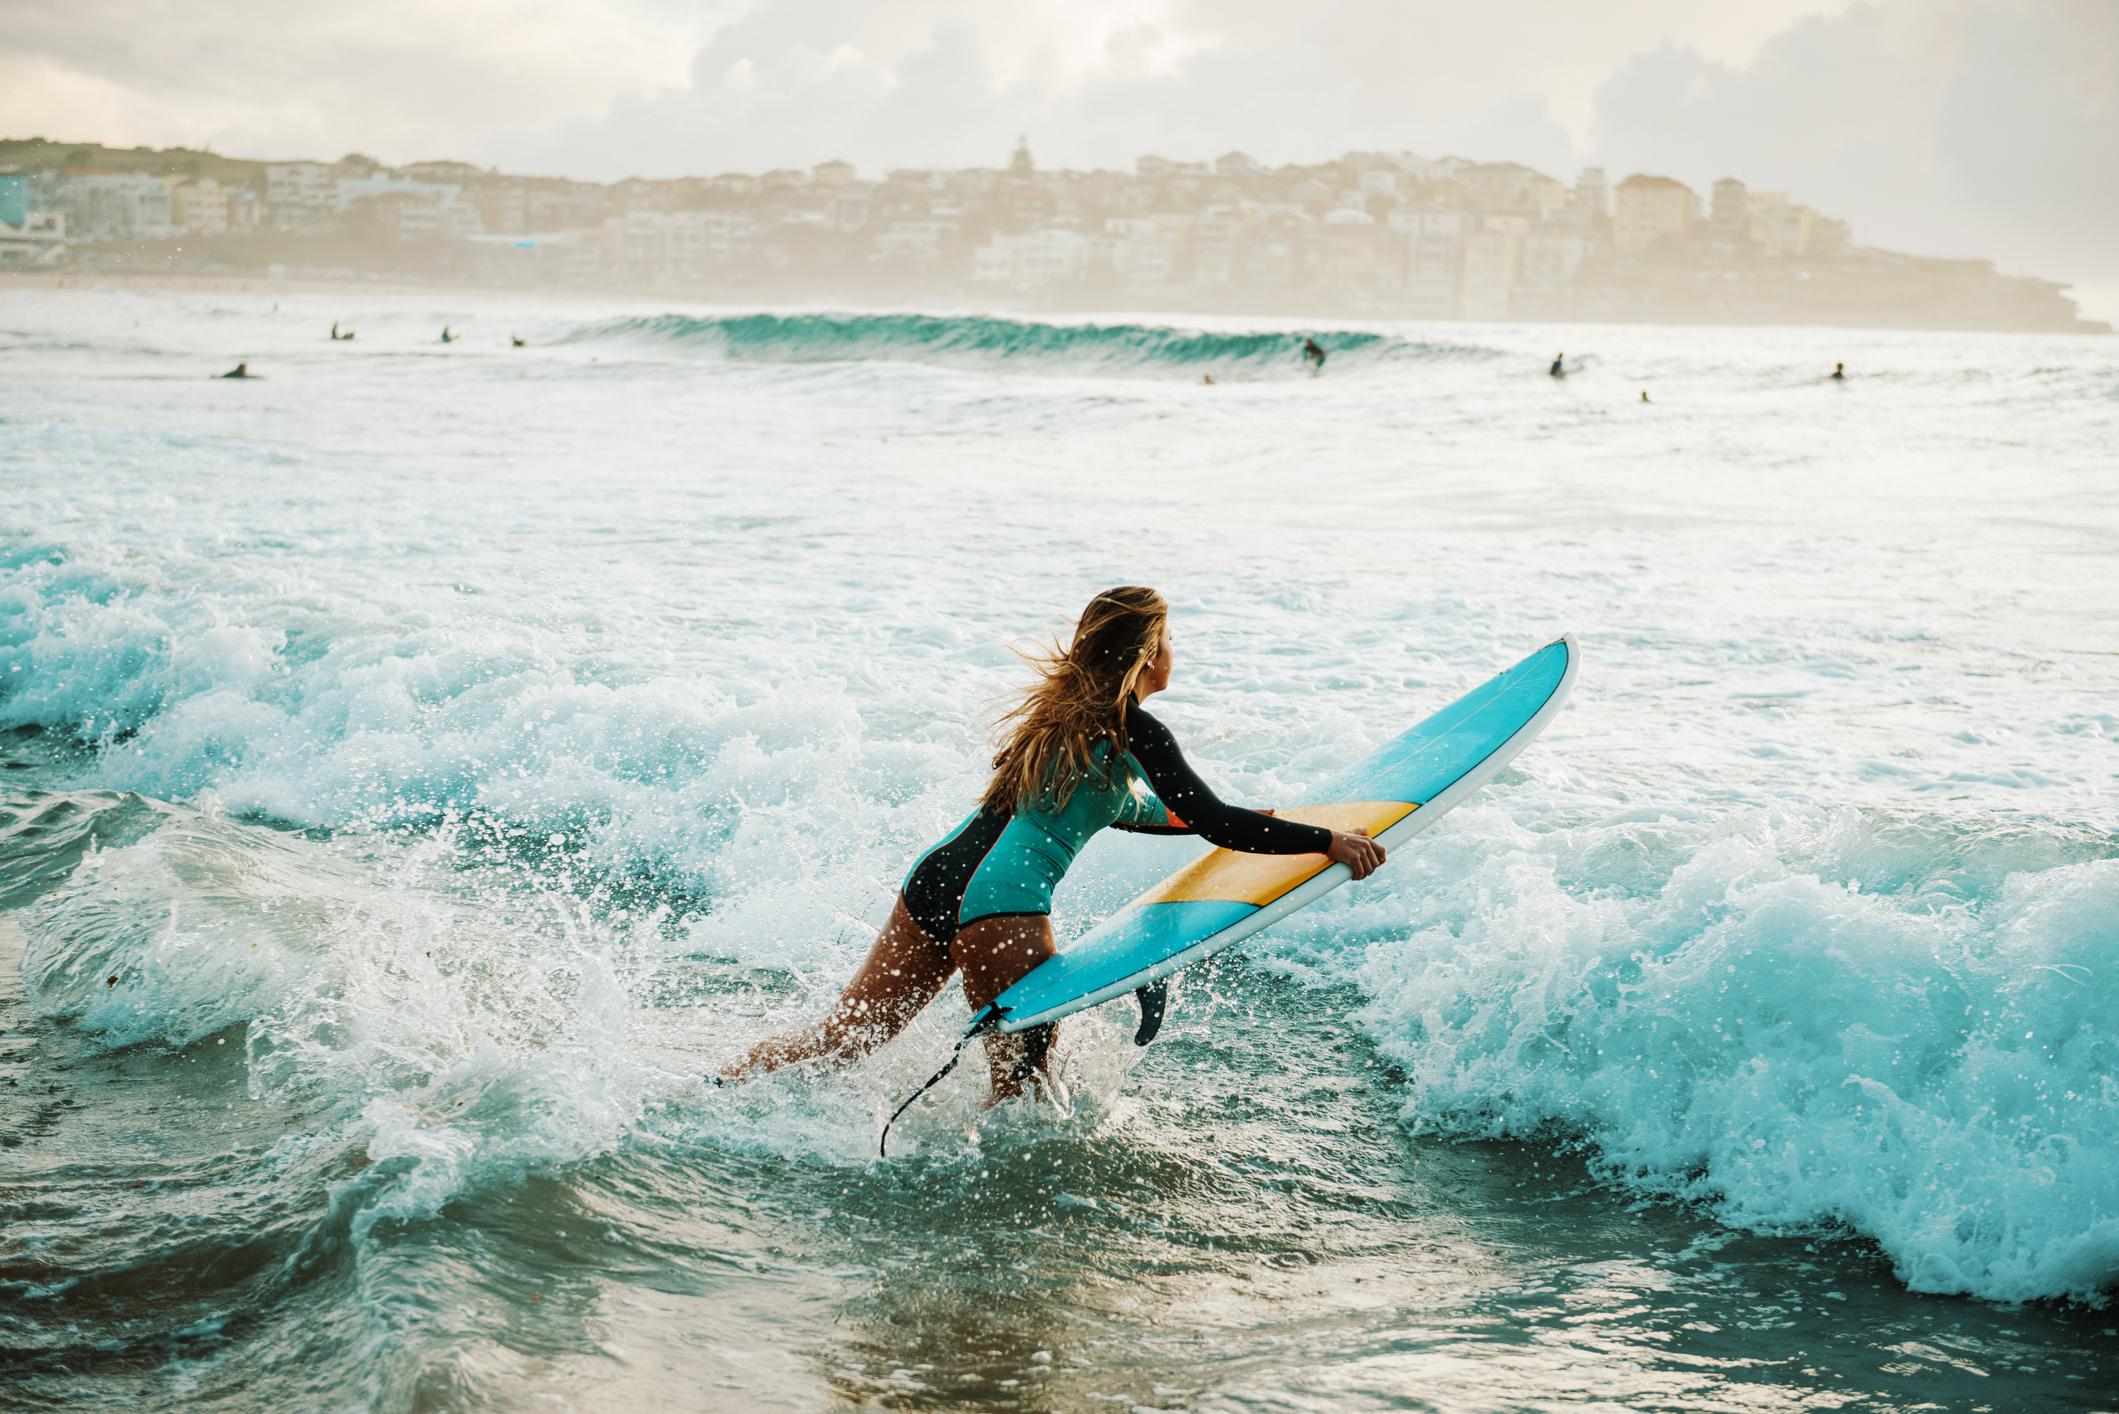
column 1783, row 1044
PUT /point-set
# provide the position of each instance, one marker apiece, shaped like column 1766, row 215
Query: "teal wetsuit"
column 997, row 864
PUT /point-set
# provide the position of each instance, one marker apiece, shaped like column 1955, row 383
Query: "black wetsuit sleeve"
column 1200, row 811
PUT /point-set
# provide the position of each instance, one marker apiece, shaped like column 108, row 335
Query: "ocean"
column 422, row 763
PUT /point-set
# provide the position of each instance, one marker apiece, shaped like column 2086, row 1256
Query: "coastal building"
column 1779, row 226
column 1545, row 276
column 1513, row 188
column 1035, row 260
column 1387, row 233
column 101, row 205
column 636, row 246
column 503, row 209
column 1589, row 202
column 1649, row 210
column 246, row 210
column 39, row 238
column 1275, row 250
column 425, row 214
column 920, row 241
column 299, row 193
column 1486, row 285
column 1356, row 253
column 1729, row 211
column 198, row 206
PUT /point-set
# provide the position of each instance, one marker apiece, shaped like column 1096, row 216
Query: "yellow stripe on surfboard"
column 1226, row 876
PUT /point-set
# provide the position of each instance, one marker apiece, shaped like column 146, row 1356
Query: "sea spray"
column 1757, row 1031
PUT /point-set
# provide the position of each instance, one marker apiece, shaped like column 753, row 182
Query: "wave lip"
column 985, row 340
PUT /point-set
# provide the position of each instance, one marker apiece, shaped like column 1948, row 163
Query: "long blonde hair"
column 1078, row 701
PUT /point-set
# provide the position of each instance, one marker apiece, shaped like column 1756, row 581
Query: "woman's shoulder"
column 1144, row 727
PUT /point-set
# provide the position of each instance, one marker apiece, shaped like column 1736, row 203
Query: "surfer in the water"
column 241, row 370
column 1839, row 373
column 1079, row 753
column 1314, row 352
column 1559, row 366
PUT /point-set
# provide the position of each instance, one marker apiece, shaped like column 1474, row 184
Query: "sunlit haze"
column 1959, row 127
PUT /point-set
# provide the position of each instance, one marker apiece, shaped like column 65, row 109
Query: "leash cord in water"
column 984, row 1022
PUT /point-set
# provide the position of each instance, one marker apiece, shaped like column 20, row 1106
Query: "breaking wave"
column 985, row 340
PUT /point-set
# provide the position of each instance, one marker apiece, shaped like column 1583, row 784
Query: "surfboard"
column 1394, row 793
column 1397, row 791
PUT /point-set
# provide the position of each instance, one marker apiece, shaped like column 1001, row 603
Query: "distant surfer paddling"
column 1559, row 366
column 1079, row 753
column 1314, row 352
column 241, row 370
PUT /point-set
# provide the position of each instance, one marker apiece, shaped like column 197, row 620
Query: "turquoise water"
column 423, row 763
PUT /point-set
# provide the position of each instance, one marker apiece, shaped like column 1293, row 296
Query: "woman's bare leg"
column 904, row 971
column 995, row 953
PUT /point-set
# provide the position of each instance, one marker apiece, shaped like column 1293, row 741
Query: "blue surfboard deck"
column 1395, row 792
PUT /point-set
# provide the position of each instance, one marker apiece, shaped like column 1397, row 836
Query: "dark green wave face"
column 935, row 338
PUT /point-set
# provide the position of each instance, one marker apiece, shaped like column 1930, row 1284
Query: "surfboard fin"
column 1154, row 1001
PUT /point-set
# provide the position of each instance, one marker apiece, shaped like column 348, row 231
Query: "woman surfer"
column 1079, row 752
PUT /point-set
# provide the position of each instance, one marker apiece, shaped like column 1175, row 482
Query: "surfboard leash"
column 984, row 1022
column 1037, row 1043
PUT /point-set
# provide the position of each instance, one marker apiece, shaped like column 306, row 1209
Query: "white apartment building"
column 1651, row 209
column 727, row 233
column 199, row 207
column 431, row 214
column 916, row 240
column 300, row 186
column 1777, row 224
column 1511, row 186
column 1032, row 261
column 637, row 245
column 1589, row 204
column 115, row 206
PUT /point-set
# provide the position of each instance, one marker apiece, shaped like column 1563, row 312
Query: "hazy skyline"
column 1957, row 127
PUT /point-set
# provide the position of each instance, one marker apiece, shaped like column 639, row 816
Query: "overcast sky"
column 1959, row 127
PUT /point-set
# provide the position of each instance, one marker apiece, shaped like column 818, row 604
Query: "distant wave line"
column 986, row 339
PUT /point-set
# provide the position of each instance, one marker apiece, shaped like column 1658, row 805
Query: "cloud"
column 1953, row 128
column 1096, row 83
column 264, row 78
